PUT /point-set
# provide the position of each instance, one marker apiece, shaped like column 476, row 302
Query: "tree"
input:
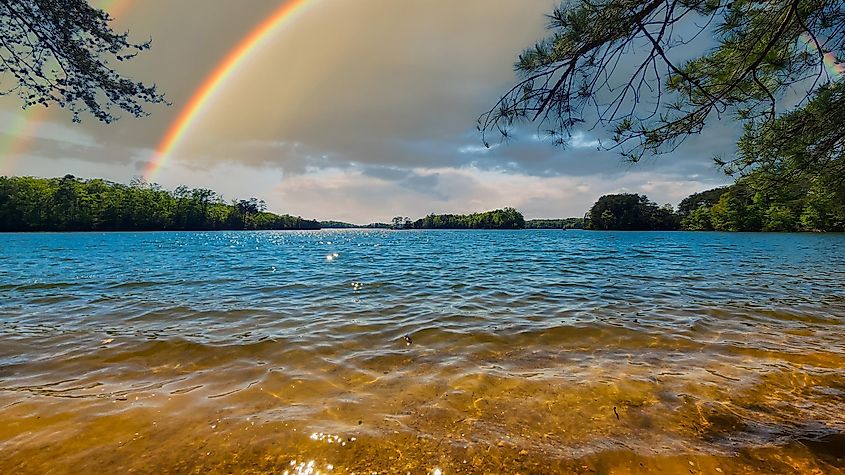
column 61, row 52
column 779, row 218
column 605, row 221
column 506, row 218
column 739, row 210
column 817, row 205
column 822, row 210
column 801, row 145
column 631, row 212
column 764, row 51
column 249, row 208
column 704, row 199
column 71, row 204
column 698, row 220
column 566, row 223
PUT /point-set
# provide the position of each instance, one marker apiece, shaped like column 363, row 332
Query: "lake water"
column 530, row 352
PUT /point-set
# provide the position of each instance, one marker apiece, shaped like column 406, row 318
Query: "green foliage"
column 631, row 67
column 61, row 52
column 72, row 204
column 698, row 220
column 336, row 225
column 745, row 206
column 823, row 210
column 566, row 223
column 630, row 212
column 790, row 163
column 343, row 225
column 750, row 206
column 733, row 212
column 697, row 200
column 804, row 145
column 507, row 218
column 779, row 218
column 401, row 223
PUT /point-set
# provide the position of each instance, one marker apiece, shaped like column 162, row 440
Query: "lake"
column 526, row 352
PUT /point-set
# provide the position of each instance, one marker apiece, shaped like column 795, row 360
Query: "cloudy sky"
column 358, row 110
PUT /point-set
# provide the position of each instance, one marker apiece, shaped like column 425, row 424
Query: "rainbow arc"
column 24, row 126
column 215, row 81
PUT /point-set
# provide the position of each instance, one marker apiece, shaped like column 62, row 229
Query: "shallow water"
column 531, row 352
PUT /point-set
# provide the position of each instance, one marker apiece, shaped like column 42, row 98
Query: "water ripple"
column 562, row 345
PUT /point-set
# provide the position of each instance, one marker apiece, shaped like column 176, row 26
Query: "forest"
column 565, row 223
column 73, row 204
column 740, row 207
column 506, row 218
column 630, row 212
column 748, row 205
column 345, row 225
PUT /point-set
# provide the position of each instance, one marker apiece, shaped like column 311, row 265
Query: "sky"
column 355, row 110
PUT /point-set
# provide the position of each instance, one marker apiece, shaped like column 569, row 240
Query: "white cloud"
column 351, row 194
column 580, row 140
column 576, row 140
column 478, row 149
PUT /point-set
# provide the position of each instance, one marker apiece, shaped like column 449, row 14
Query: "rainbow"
column 20, row 134
column 213, row 82
column 114, row 8
column 23, row 128
column 834, row 68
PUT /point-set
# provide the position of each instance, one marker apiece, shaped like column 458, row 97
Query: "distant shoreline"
column 597, row 231
column 71, row 204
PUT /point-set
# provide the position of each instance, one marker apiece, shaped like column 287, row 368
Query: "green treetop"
column 642, row 71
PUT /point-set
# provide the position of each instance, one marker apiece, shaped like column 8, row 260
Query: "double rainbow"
column 256, row 38
column 26, row 123
column 214, row 82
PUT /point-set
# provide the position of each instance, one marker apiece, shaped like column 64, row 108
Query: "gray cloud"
column 360, row 105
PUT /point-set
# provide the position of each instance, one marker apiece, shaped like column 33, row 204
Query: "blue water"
column 714, row 316
column 78, row 280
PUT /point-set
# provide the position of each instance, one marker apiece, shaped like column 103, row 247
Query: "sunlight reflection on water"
column 530, row 351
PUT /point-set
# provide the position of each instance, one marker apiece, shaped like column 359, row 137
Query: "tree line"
column 73, row 204
column 740, row 208
column 790, row 160
column 817, row 205
column 565, row 223
column 768, row 69
column 344, row 225
column 506, row 218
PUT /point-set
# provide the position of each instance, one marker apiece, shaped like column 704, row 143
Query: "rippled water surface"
column 526, row 352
